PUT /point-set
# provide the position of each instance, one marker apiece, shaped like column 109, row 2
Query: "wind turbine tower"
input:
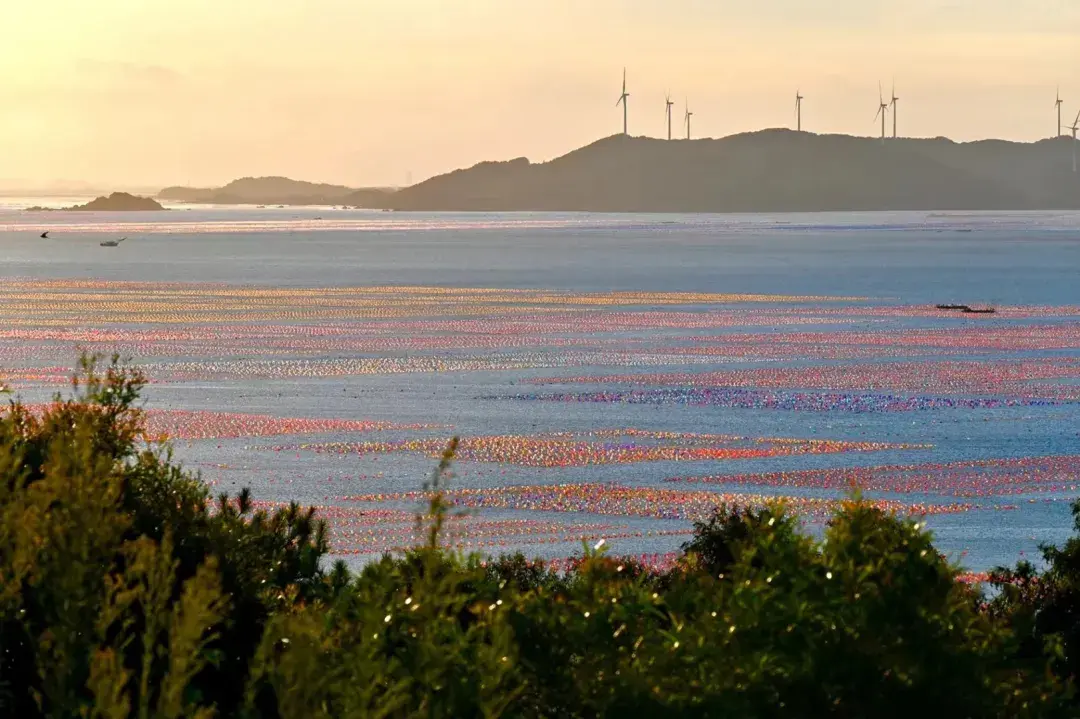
column 687, row 120
column 668, row 110
column 1074, row 127
column 892, row 104
column 882, row 110
column 622, row 100
column 1058, row 102
column 798, row 111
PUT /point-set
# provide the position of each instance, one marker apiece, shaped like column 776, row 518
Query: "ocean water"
column 587, row 361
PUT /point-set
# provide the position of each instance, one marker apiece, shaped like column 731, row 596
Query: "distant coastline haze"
column 774, row 170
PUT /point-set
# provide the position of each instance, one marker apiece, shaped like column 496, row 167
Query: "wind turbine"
column 892, row 104
column 622, row 99
column 1058, row 102
column 1074, row 127
column 883, row 110
column 687, row 119
column 669, row 103
column 798, row 110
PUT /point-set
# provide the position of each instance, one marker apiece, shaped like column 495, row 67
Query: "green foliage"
column 1044, row 606
column 127, row 591
column 869, row 622
column 123, row 589
column 411, row 637
column 719, row 541
column 174, row 637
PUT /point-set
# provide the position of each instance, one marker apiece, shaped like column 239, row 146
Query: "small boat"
column 45, row 235
column 968, row 310
column 112, row 243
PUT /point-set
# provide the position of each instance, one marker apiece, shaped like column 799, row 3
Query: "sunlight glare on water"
column 611, row 376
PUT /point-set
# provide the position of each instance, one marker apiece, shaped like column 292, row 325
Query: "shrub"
column 1044, row 606
column 119, row 577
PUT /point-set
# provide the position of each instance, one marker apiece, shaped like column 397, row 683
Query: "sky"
column 149, row 93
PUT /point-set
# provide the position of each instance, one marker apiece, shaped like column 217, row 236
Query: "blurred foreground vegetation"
column 127, row 590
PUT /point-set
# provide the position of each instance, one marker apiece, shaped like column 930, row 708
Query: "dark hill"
column 276, row 191
column 369, row 197
column 184, row 194
column 766, row 171
column 117, row 202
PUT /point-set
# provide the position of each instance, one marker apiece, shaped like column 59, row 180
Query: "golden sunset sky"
column 370, row 92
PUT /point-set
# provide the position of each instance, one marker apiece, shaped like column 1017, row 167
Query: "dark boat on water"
column 968, row 310
column 112, row 243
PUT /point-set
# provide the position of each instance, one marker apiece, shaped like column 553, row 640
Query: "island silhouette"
column 277, row 191
column 116, row 202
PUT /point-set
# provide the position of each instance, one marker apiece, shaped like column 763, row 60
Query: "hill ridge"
column 773, row 169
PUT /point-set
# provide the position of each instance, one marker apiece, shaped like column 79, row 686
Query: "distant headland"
column 278, row 191
column 767, row 171
column 116, row 202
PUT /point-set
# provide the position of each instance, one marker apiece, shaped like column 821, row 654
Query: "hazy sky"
column 156, row 92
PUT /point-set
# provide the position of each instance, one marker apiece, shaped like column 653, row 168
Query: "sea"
column 611, row 378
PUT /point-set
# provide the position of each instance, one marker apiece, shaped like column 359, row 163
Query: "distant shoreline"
column 769, row 171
